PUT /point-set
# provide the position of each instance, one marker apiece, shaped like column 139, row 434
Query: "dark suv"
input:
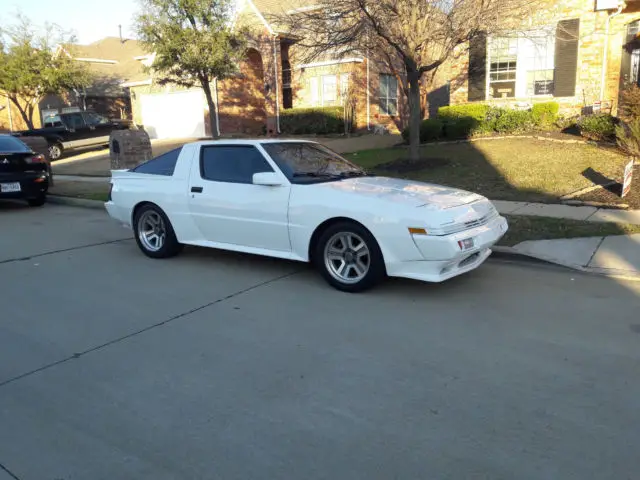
column 69, row 131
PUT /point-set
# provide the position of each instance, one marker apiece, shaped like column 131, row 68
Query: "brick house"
column 563, row 54
column 579, row 53
column 269, row 82
column 113, row 61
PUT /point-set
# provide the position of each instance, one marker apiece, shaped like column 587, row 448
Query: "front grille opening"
column 469, row 260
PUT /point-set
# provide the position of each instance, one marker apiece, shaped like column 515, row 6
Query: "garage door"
column 173, row 115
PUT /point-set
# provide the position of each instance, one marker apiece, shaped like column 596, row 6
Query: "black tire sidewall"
column 171, row 245
column 376, row 271
column 38, row 201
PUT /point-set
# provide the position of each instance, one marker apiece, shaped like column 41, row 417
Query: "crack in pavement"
column 148, row 328
column 9, row 472
column 62, row 250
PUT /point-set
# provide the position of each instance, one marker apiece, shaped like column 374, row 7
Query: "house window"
column 314, row 91
column 388, row 95
column 344, row 87
column 503, row 55
column 329, row 90
column 323, row 90
column 539, row 62
column 522, row 65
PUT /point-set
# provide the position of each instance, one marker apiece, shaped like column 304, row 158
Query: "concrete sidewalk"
column 589, row 214
column 616, row 255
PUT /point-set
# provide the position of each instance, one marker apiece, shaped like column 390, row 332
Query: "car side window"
column 74, row 120
column 164, row 164
column 93, row 119
column 232, row 163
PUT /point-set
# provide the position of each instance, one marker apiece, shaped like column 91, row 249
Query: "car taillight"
column 36, row 159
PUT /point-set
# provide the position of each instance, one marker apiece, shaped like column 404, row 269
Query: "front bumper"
column 443, row 257
column 32, row 184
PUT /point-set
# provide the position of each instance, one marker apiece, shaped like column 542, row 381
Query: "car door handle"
column 196, row 189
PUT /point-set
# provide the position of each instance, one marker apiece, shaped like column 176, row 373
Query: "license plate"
column 10, row 187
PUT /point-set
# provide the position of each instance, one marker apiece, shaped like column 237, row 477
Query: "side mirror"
column 268, row 179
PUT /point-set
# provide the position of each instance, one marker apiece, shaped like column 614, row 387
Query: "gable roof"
column 113, row 62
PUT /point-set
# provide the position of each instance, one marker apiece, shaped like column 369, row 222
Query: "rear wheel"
column 55, row 151
column 38, row 201
column 349, row 257
column 154, row 233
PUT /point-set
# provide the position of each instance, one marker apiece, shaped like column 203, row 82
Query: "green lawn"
column 523, row 228
column 513, row 169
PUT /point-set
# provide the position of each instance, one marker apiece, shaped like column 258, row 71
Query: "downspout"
column 215, row 101
column 605, row 51
column 277, row 87
column 368, row 99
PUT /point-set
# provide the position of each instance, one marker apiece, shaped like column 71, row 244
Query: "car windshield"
column 9, row 144
column 305, row 162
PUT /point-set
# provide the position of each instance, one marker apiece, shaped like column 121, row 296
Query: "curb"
column 75, row 202
column 512, row 254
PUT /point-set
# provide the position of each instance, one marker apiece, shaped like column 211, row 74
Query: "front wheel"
column 349, row 257
column 154, row 233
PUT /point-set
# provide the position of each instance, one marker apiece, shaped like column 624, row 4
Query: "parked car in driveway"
column 301, row 201
column 24, row 174
column 71, row 131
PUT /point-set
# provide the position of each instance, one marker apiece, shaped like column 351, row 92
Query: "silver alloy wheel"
column 347, row 257
column 152, row 231
column 55, row 152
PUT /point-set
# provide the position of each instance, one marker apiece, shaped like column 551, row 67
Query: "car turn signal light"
column 417, row 231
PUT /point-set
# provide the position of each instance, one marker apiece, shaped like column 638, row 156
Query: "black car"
column 70, row 131
column 24, row 174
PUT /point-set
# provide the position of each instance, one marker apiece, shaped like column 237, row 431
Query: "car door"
column 228, row 208
column 78, row 131
column 99, row 128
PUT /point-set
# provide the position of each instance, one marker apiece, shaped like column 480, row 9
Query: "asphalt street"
column 215, row 365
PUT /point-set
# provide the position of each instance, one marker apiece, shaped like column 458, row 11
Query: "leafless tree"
column 413, row 38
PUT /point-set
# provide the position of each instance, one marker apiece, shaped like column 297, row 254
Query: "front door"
column 78, row 131
column 228, row 208
column 99, row 128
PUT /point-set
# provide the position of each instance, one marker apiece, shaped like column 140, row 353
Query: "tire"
column 55, row 151
column 150, row 217
column 349, row 257
column 38, row 201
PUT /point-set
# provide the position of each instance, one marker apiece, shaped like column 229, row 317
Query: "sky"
column 90, row 20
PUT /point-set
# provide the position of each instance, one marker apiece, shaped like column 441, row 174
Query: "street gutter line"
column 38, row 255
column 146, row 329
column 9, row 472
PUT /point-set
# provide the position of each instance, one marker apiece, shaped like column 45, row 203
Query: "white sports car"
column 301, row 201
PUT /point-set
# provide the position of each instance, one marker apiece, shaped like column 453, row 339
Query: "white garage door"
column 173, row 115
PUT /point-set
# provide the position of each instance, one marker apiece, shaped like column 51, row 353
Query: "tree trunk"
column 28, row 118
column 413, row 78
column 213, row 123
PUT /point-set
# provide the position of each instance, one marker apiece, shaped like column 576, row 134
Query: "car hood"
column 410, row 193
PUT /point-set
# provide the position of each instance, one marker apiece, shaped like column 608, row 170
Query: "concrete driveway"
column 216, row 365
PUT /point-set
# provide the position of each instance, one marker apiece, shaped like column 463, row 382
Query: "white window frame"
column 525, row 62
column 388, row 98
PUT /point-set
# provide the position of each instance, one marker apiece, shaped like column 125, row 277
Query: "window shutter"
column 566, row 61
column 478, row 67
